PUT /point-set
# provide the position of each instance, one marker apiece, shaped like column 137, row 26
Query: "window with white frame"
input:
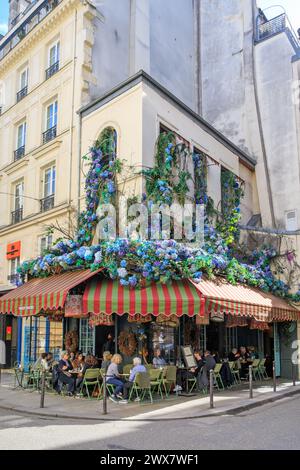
column 21, row 135
column 13, row 270
column 49, row 181
column 51, row 115
column 23, row 79
column 45, row 243
column 19, row 194
column 53, row 56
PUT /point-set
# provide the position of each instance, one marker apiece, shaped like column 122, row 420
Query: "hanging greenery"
column 140, row 262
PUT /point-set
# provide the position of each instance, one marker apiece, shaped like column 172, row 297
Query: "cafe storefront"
column 77, row 310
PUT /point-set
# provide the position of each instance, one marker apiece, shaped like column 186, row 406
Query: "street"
column 270, row 427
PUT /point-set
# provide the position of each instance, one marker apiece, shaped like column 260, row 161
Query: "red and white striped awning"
column 42, row 294
column 242, row 300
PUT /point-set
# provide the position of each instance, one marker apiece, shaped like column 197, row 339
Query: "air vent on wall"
column 291, row 223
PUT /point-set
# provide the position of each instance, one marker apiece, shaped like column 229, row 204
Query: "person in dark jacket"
column 209, row 364
column 109, row 345
column 64, row 376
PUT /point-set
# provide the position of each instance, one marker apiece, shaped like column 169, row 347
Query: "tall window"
column 53, row 54
column 21, row 135
column 51, row 116
column 50, row 122
column 108, row 143
column 45, row 243
column 13, row 270
column 47, row 202
column 53, row 60
column 200, row 176
column 19, row 192
column 23, row 84
column 49, row 181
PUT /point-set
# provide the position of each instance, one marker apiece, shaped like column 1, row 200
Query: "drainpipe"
column 72, row 116
column 269, row 231
column 79, row 123
column 259, row 118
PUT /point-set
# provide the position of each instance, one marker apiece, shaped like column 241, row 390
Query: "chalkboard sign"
column 188, row 357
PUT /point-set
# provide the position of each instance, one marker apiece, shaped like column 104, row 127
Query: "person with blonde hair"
column 106, row 360
column 113, row 377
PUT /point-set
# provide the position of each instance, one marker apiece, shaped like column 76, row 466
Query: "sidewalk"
column 230, row 401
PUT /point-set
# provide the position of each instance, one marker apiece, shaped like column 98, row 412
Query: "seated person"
column 87, row 363
column 244, row 359
column 113, row 377
column 64, row 366
column 106, row 360
column 252, row 353
column 208, row 364
column 158, row 360
column 40, row 362
column 137, row 367
column 78, row 362
column 50, row 361
column 233, row 355
column 184, row 375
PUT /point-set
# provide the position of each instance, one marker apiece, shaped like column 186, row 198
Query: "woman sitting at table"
column 64, row 376
column 158, row 360
column 89, row 363
column 114, row 377
column 78, row 362
column 106, row 360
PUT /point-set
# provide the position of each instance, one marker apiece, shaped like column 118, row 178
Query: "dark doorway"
column 101, row 334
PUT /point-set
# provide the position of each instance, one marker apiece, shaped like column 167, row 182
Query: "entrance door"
column 101, row 333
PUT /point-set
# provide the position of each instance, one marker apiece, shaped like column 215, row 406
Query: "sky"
column 292, row 8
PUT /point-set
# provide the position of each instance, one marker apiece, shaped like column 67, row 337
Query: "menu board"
column 188, row 356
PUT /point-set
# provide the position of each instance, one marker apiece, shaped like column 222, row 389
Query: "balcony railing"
column 38, row 13
column 19, row 153
column 277, row 25
column 49, row 134
column 47, row 203
column 22, row 93
column 52, row 70
column 17, row 216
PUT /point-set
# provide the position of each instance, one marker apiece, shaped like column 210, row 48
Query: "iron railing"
column 19, row 153
column 17, row 216
column 52, row 70
column 47, row 203
column 22, row 93
column 14, row 37
column 279, row 24
column 49, row 134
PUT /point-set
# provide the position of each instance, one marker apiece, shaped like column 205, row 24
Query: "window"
column 200, row 176
column 17, row 214
column 291, row 223
column 49, row 189
column 51, row 122
column 45, row 243
column 86, row 337
column 13, row 271
column 53, row 60
column 23, row 86
column 21, row 140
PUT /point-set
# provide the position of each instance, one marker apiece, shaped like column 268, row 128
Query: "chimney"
column 16, row 8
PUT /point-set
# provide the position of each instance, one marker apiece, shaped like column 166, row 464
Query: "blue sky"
column 292, row 8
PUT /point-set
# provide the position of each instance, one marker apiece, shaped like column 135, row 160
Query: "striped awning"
column 42, row 294
column 176, row 298
column 242, row 300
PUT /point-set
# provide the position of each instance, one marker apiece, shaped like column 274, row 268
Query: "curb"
column 224, row 412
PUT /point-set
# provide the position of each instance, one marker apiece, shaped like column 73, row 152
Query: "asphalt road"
column 274, row 426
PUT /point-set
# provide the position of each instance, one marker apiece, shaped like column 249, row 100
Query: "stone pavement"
column 230, row 401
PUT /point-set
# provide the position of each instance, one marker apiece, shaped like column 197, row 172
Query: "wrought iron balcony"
column 22, row 93
column 47, row 203
column 49, row 134
column 28, row 21
column 19, row 153
column 52, row 70
column 17, row 216
column 277, row 25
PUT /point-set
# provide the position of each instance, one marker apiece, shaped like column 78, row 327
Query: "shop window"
column 163, row 338
column 45, row 243
column 55, row 338
column 86, row 337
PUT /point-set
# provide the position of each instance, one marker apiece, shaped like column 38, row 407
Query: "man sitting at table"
column 158, row 360
column 64, row 376
column 184, row 375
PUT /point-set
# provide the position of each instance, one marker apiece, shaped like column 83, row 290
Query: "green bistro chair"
column 169, row 378
column 218, row 378
column 127, row 368
column 262, row 370
column 255, row 369
column 90, row 379
column 141, row 385
column 234, row 372
column 109, row 387
column 193, row 382
column 156, row 381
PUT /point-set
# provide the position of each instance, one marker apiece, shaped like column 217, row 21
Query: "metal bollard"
column 43, row 387
column 211, row 389
column 274, row 377
column 294, row 374
column 250, row 382
column 104, row 412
